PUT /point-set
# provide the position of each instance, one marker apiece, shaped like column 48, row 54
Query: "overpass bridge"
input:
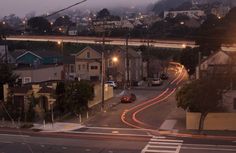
column 175, row 44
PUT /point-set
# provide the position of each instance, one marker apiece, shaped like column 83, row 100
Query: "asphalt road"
column 112, row 144
column 125, row 128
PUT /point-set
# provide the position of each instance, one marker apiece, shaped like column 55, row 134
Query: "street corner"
column 57, row 127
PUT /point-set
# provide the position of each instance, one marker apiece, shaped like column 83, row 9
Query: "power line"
column 66, row 8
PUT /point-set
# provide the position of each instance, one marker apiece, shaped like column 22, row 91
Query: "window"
column 27, row 79
column 94, row 67
column 79, row 68
column 88, row 54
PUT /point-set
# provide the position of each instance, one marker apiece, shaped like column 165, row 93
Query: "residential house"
column 73, row 31
column 22, row 97
column 126, row 24
column 28, row 74
column 222, row 63
column 99, row 25
column 218, row 63
column 190, row 13
column 88, row 64
column 118, row 70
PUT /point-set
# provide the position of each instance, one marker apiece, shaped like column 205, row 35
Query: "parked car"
column 112, row 84
column 128, row 98
column 164, row 76
column 157, row 82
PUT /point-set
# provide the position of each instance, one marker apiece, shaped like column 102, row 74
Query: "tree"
column 60, row 97
column 39, row 25
column 200, row 96
column 6, row 76
column 189, row 58
column 63, row 21
column 210, row 35
column 103, row 14
column 229, row 24
column 74, row 96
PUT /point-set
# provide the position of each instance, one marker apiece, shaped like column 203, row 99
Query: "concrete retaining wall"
column 213, row 121
column 108, row 93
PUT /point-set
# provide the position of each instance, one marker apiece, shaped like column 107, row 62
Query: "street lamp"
column 114, row 59
column 60, row 43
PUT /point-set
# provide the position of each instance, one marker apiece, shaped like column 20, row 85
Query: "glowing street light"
column 59, row 42
column 184, row 45
column 115, row 59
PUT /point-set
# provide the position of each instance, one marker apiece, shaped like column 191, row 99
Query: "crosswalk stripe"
column 166, row 140
column 167, row 147
column 162, row 145
column 158, row 137
column 159, row 151
column 165, row 143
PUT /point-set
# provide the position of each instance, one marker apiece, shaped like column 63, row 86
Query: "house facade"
column 217, row 63
column 118, row 71
column 88, row 64
column 40, row 73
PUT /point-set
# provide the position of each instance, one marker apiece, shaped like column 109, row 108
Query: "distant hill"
column 165, row 5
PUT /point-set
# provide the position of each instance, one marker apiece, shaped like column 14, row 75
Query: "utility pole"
column 103, row 69
column 199, row 64
column 148, row 51
column 6, row 49
column 127, row 62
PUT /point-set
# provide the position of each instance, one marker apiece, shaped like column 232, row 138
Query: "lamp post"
column 60, row 43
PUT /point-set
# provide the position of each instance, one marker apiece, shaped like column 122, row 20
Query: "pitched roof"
column 131, row 51
column 39, row 53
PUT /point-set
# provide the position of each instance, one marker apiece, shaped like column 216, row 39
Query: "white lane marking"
column 206, row 145
column 214, row 149
column 166, row 140
column 169, row 147
column 111, row 128
column 158, row 137
column 9, row 142
column 165, row 143
column 158, row 151
column 14, row 135
column 178, row 149
column 109, row 134
column 64, row 148
column 87, row 150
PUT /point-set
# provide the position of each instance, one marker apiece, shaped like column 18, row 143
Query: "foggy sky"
column 22, row 7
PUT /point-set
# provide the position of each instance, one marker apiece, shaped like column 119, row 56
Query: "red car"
column 128, row 98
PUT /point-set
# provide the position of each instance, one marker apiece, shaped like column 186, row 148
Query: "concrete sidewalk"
column 57, row 127
column 176, row 124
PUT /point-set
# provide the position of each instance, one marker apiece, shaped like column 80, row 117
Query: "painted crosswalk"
column 162, row 145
